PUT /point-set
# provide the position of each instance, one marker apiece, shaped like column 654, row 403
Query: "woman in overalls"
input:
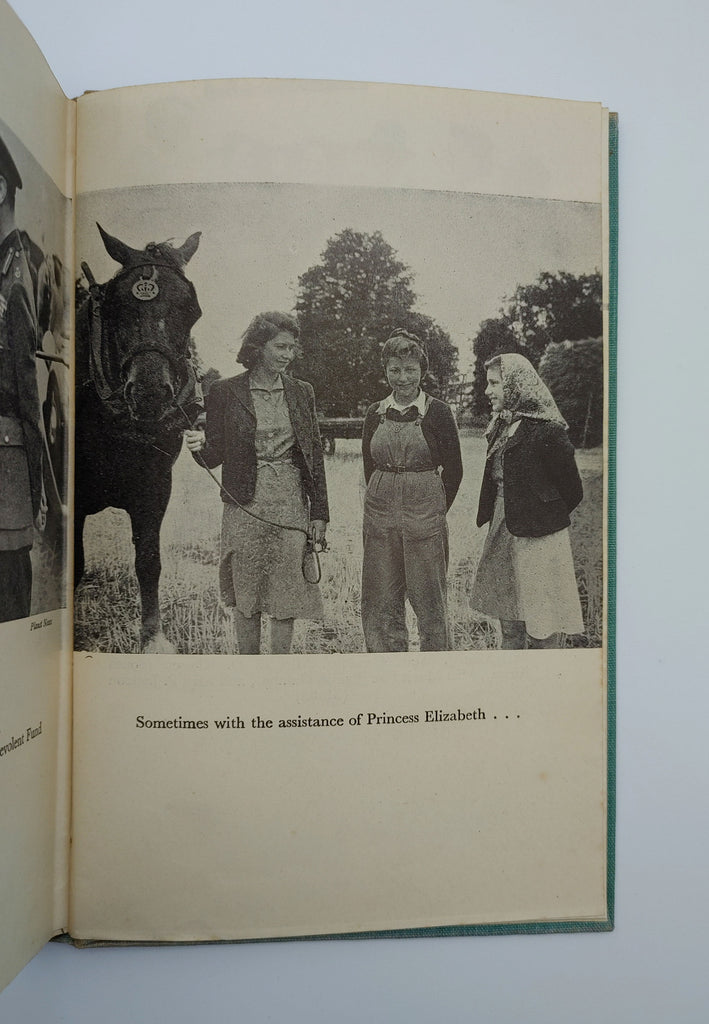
column 413, row 468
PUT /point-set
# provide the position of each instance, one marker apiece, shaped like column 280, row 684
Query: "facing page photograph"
column 324, row 419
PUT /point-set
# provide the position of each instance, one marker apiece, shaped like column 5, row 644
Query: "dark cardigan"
column 541, row 483
column 441, row 434
column 231, row 440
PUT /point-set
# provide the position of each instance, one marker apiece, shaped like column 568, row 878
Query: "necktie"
column 407, row 416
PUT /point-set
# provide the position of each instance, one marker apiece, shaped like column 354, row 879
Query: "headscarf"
column 525, row 395
column 523, row 390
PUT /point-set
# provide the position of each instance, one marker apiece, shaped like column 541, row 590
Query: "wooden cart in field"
column 332, row 427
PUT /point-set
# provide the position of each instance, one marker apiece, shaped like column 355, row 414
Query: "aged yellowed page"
column 263, row 831
column 36, row 152
column 223, row 796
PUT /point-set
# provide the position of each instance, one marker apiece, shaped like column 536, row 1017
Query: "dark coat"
column 441, row 434
column 541, row 482
column 231, row 440
column 19, row 399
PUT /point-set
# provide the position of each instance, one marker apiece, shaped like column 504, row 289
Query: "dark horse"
column 136, row 392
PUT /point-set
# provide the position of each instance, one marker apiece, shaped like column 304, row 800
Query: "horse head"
column 147, row 311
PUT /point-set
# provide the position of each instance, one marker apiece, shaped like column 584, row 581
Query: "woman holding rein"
column 262, row 429
column 413, row 468
column 530, row 485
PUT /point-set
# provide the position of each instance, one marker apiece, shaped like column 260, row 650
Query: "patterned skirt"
column 261, row 565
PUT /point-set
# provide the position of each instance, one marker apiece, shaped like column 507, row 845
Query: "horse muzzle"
column 149, row 401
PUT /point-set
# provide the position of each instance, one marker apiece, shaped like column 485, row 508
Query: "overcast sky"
column 466, row 252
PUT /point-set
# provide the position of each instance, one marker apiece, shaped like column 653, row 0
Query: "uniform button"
column 6, row 438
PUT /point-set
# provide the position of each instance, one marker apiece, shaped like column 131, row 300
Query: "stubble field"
column 107, row 604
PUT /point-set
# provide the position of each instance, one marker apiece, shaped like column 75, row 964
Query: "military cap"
column 7, row 167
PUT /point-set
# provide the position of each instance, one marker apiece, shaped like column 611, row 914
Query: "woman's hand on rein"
column 317, row 531
column 195, row 440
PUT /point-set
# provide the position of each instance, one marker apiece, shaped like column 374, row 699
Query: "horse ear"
column 116, row 249
column 189, row 248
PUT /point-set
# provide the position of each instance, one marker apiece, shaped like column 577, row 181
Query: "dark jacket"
column 441, row 434
column 19, row 399
column 541, row 483
column 231, row 440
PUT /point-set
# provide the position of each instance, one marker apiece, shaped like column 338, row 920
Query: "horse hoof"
column 159, row 644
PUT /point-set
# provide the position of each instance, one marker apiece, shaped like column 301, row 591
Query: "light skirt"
column 528, row 579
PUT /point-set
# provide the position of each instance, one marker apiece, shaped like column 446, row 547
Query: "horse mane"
column 164, row 251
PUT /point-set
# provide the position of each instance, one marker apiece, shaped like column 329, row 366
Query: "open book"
column 397, row 772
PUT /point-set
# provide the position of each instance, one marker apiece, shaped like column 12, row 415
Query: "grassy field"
column 107, row 608
column 48, row 578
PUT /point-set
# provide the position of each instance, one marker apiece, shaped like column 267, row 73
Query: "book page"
column 36, row 164
column 436, row 781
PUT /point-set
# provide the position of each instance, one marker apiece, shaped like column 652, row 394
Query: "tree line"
column 347, row 306
column 557, row 323
column 349, row 302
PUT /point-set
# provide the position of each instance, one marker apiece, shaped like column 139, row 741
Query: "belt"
column 407, row 469
column 275, row 463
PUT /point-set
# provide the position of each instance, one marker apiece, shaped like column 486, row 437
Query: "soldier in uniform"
column 22, row 503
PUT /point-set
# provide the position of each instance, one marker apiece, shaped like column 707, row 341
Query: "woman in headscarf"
column 530, row 485
column 413, row 468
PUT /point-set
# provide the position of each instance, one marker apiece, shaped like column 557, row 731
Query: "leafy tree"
column 347, row 305
column 573, row 372
column 494, row 337
column 557, row 307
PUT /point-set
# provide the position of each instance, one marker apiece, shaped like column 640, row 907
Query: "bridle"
column 113, row 399
column 110, row 394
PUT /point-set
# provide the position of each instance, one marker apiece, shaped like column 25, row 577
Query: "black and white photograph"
column 406, row 231
column 34, row 385
column 325, row 419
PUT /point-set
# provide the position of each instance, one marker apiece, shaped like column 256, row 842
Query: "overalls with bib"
column 405, row 538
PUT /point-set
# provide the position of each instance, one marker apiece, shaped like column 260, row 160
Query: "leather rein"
column 113, row 400
column 311, row 548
